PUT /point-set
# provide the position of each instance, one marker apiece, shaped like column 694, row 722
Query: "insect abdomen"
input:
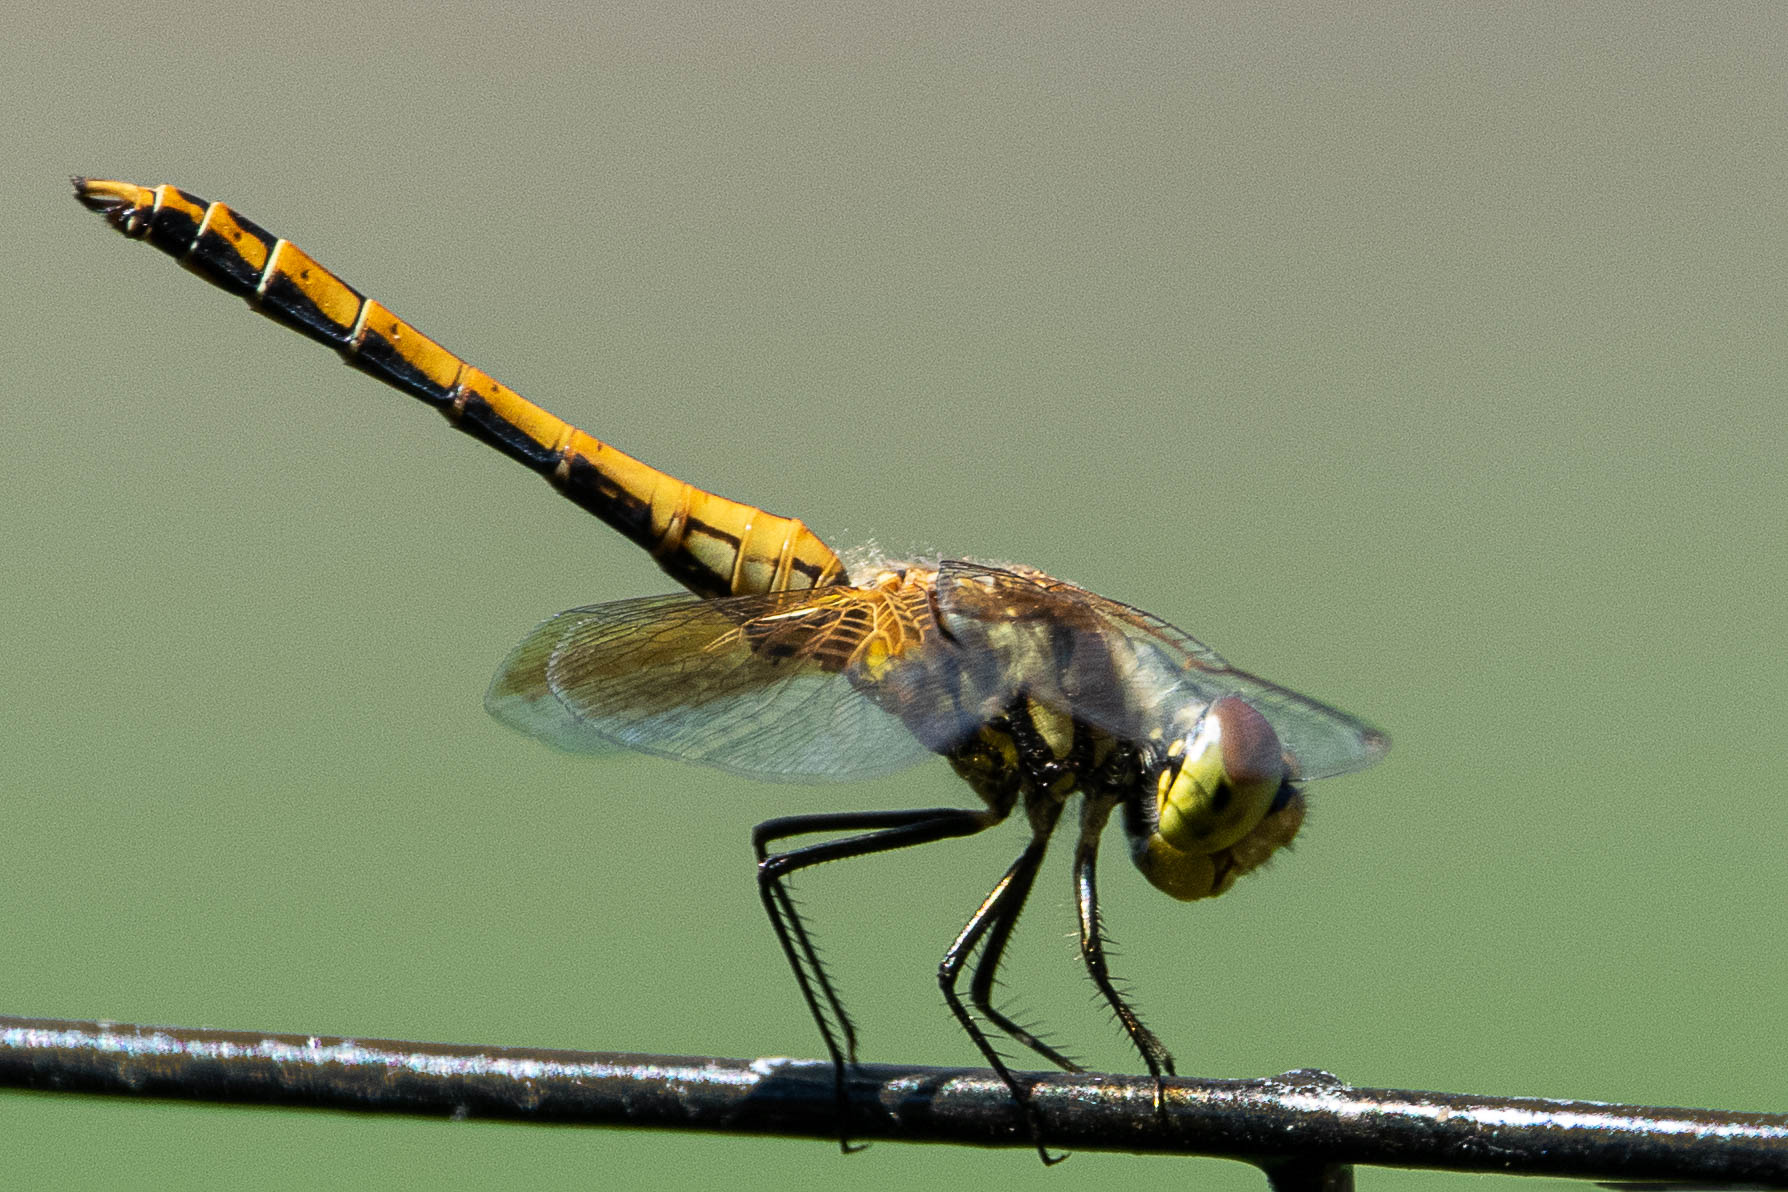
column 712, row 545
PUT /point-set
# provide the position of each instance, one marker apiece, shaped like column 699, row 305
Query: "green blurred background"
column 1427, row 361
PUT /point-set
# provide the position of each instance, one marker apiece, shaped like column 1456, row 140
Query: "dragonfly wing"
column 743, row 684
column 1323, row 740
column 1126, row 670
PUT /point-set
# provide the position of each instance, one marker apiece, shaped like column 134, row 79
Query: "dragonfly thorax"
column 1038, row 754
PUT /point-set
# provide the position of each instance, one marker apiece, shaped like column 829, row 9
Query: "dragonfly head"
column 1221, row 803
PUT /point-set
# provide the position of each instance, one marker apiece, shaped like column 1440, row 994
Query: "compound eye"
column 1231, row 767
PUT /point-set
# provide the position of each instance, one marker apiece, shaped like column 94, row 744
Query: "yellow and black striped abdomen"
column 712, row 545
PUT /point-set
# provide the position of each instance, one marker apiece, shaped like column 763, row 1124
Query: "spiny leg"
column 1044, row 772
column 993, row 921
column 1092, row 942
column 882, row 832
column 987, row 969
column 784, row 914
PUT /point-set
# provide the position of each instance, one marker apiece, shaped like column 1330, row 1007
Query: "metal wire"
column 1305, row 1129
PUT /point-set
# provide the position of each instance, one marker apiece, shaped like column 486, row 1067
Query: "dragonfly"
column 780, row 662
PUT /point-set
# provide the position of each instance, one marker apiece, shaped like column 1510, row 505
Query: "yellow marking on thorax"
column 1055, row 727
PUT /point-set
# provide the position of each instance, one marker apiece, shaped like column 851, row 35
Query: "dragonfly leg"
column 879, row 831
column 989, row 928
column 987, row 967
column 1042, row 771
column 1094, row 813
column 785, row 917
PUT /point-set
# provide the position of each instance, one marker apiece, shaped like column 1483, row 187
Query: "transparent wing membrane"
column 753, row 685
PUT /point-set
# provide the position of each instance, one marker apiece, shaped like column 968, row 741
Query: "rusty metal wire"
column 1305, row 1129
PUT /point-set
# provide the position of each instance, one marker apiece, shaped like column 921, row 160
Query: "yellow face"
column 1214, row 804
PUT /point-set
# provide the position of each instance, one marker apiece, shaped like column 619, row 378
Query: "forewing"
column 751, row 685
column 1124, row 669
